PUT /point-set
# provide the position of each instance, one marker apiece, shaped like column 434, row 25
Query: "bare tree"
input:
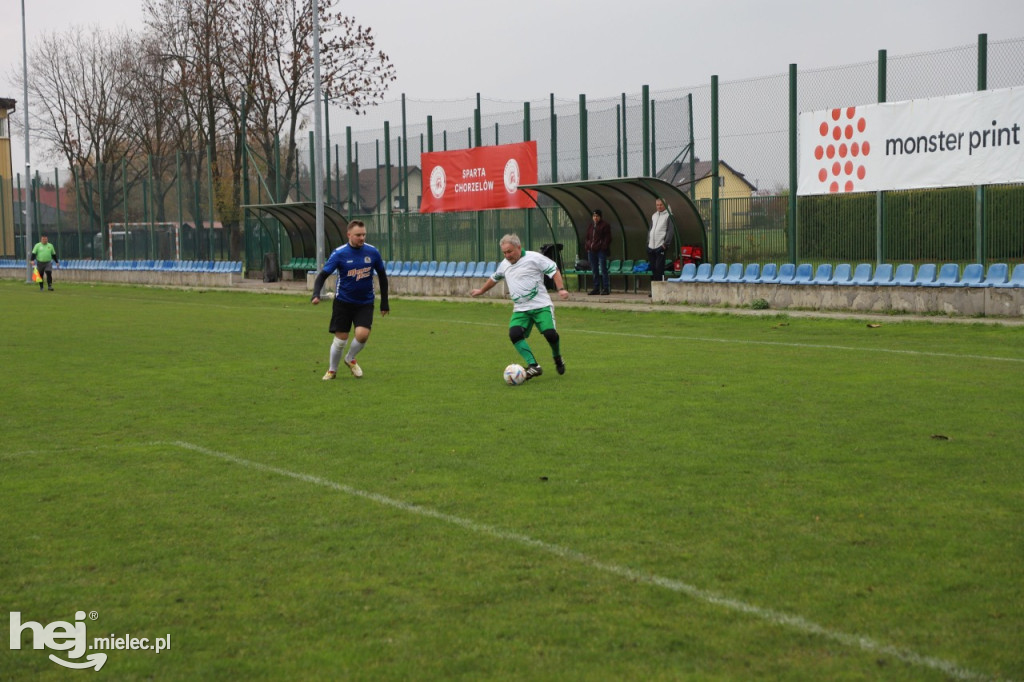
column 154, row 120
column 354, row 73
column 207, row 80
column 79, row 111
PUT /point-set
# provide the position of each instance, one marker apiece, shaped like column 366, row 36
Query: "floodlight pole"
column 318, row 156
column 27, row 199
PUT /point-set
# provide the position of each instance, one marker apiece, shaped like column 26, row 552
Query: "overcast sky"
column 524, row 50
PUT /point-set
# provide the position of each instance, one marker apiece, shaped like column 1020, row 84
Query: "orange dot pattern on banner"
column 840, row 151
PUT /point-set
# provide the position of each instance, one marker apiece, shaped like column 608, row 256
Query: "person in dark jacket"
column 599, row 245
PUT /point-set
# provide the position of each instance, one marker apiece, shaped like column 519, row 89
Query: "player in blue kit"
column 355, row 263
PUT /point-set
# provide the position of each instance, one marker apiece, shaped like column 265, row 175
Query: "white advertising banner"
column 969, row 139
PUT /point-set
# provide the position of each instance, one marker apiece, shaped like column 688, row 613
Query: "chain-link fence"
column 183, row 207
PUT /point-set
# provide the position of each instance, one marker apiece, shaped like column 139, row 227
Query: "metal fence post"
column 880, row 255
column 554, row 140
column 979, row 191
column 693, row 155
column 478, row 134
column 646, row 130
column 715, row 216
column 625, row 140
column 792, row 222
column 387, row 180
column 583, row 138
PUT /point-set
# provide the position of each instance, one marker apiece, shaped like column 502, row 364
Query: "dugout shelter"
column 298, row 220
column 627, row 204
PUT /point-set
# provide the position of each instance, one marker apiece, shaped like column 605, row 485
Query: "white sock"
column 337, row 348
column 353, row 351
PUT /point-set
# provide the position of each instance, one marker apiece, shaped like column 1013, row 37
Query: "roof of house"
column 47, row 195
column 369, row 179
column 678, row 172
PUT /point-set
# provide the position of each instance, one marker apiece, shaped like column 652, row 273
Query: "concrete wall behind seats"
column 965, row 301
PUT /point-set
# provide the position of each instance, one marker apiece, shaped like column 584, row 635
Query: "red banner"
column 479, row 179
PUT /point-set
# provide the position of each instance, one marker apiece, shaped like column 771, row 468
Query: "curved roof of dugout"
column 627, row 204
column 299, row 223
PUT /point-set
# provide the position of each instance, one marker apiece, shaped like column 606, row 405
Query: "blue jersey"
column 355, row 272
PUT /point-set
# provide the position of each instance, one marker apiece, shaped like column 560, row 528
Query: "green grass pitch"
column 699, row 497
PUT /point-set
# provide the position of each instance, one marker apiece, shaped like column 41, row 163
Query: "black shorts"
column 346, row 315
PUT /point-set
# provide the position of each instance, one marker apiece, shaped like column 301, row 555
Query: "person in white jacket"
column 658, row 240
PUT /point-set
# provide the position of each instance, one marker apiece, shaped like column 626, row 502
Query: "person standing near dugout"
column 599, row 245
column 658, row 239
column 44, row 257
column 523, row 272
column 355, row 263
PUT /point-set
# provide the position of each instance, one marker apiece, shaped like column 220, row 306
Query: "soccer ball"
column 514, row 375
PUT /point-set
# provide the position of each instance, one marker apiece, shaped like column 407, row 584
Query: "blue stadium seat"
column 861, row 275
column 1016, row 280
column 478, row 269
column 925, row 276
column 460, row 269
column 949, row 275
column 703, row 273
column 841, row 274
column 786, row 273
column 769, row 274
column 996, row 275
column 972, row 275
column 449, row 271
column 802, row 274
column 439, row 270
column 430, row 270
column 720, row 272
column 823, row 275
column 404, row 269
column 752, row 273
column 735, row 273
column 491, row 267
column 903, row 275
column 687, row 274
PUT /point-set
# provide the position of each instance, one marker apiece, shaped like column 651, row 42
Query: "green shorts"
column 543, row 318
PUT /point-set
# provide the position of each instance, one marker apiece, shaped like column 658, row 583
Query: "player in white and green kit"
column 523, row 273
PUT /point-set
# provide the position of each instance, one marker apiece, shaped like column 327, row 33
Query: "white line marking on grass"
column 784, row 344
column 798, row 623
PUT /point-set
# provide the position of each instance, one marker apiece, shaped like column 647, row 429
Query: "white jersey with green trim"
column 525, row 280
